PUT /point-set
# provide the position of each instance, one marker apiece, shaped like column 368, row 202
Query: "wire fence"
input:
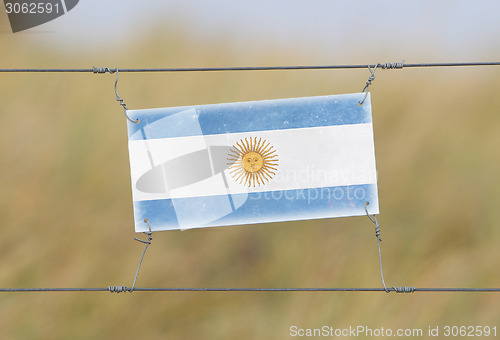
column 371, row 67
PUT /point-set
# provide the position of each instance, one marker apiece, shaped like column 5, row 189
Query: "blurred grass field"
column 66, row 210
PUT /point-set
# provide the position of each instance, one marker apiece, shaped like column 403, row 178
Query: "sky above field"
column 448, row 30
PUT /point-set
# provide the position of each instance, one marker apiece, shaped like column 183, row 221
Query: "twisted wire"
column 377, row 234
column 117, row 289
column 370, row 78
column 102, row 70
column 368, row 83
column 404, row 289
column 392, row 66
column 147, row 242
column 118, row 99
column 379, row 239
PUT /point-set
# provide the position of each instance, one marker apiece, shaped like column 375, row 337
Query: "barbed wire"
column 398, row 65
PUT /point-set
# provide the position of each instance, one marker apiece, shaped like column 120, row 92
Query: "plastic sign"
column 252, row 162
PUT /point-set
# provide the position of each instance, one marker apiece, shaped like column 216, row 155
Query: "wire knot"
column 392, row 66
column 147, row 233
column 119, row 100
column 103, row 70
column 147, row 243
column 374, row 221
column 118, row 289
column 378, row 232
column 402, row 289
column 368, row 82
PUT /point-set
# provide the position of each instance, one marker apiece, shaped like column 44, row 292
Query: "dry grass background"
column 66, row 211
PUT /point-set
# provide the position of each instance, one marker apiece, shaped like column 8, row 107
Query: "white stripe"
column 308, row 158
column 63, row 2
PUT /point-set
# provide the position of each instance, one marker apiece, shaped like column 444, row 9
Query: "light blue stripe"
column 271, row 206
column 249, row 116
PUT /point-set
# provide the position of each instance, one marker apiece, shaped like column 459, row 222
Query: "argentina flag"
column 252, row 162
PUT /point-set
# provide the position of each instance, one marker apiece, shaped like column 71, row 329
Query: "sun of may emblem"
column 253, row 161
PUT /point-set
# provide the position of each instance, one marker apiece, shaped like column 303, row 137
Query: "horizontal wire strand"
column 119, row 289
column 248, row 68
